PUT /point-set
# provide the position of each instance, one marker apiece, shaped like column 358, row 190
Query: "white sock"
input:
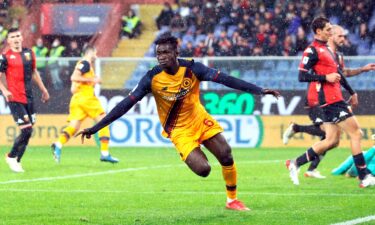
column 105, row 153
column 58, row 144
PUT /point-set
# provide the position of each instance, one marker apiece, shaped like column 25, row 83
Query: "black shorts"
column 337, row 112
column 22, row 113
column 316, row 115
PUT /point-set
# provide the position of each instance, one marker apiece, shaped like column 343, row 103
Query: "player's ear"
column 177, row 51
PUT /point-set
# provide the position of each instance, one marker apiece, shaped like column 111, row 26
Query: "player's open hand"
column 275, row 93
column 85, row 133
column 368, row 67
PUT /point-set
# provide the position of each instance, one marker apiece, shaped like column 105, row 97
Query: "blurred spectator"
column 241, row 48
column 188, row 51
column 200, row 50
column 289, row 48
column 41, row 52
column 165, row 16
column 72, row 51
column 131, row 25
column 301, row 41
column 256, row 21
column 178, row 25
column 272, row 47
column 57, row 50
column 3, row 35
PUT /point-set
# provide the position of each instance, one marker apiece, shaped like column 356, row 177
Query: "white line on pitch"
column 117, row 171
column 357, row 221
column 312, row 194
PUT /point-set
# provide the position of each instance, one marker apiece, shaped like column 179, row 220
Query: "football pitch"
column 153, row 186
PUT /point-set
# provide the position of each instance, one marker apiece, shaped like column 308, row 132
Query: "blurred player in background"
column 84, row 104
column 175, row 85
column 19, row 66
column 317, row 128
column 320, row 68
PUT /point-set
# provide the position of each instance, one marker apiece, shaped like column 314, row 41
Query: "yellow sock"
column 66, row 134
column 230, row 177
column 104, row 139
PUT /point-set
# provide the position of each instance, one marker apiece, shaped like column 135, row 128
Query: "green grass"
column 152, row 186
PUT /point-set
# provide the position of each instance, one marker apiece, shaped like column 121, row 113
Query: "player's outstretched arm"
column 354, row 72
column 119, row 110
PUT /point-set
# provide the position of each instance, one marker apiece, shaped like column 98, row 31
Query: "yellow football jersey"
column 177, row 95
column 84, row 88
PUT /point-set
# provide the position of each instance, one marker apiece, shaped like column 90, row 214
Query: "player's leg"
column 351, row 127
column 316, row 129
column 220, row 148
column 104, row 136
column 26, row 131
column 332, row 137
column 23, row 120
column 198, row 163
column 64, row 137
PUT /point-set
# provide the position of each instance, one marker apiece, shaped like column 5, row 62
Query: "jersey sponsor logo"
column 318, row 86
column 27, row 56
column 305, row 60
column 321, row 50
column 12, row 57
column 308, row 50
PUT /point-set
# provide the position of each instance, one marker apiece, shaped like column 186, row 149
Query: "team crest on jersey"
column 318, row 86
column 308, row 50
column 186, row 83
column 27, row 56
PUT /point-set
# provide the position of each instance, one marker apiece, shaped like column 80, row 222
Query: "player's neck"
column 332, row 46
column 15, row 49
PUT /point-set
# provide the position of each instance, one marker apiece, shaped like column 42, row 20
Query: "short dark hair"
column 13, row 29
column 167, row 38
column 319, row 23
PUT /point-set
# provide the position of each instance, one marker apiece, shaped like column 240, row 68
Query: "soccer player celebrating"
column 317, row 128
column 175, row 86
column 19, row 66
column 321, row 69
column 84, row 104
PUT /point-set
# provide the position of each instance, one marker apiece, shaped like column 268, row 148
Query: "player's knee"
column 27, row 132
column 227, row 158
column 204, row 170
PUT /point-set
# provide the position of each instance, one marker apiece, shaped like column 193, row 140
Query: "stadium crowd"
column 265, row 27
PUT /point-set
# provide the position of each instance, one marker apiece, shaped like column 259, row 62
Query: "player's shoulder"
column 186, row 62
column 154, row 71
column 311, row 49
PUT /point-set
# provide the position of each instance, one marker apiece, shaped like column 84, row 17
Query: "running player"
column 19, row 66
column 175, row 86
column 320, row 68
column 84, row 104
column 317, row 128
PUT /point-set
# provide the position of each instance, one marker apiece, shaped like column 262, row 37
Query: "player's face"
column 338, row 37
column 166, row 55
column 15, row 40
column 326, row 32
